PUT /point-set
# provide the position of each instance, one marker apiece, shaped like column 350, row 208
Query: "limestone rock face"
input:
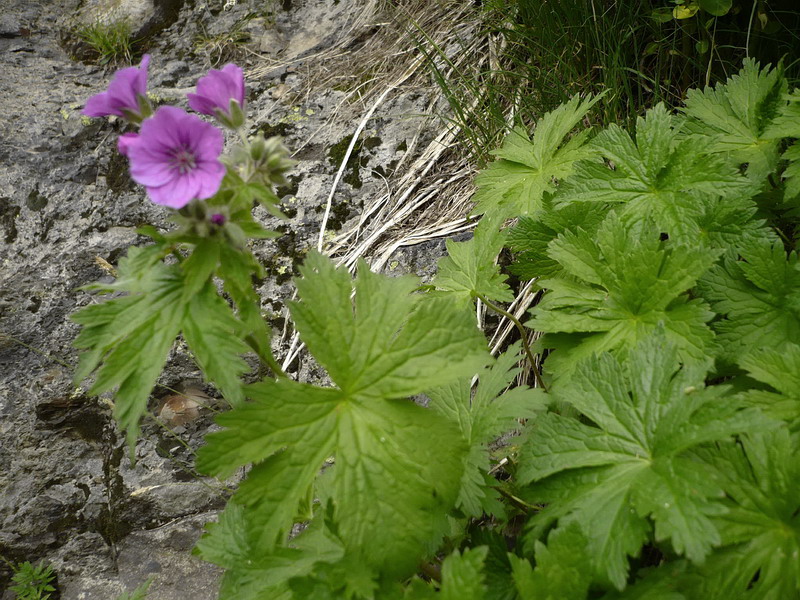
column 69, row 496
column 145, row 17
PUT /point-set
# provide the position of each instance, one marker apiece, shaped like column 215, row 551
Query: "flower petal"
column 175, row 194
column 126, row 141
column 122, row 94
column 98, row 106
column 209, row 177
column 201, row 104
column 216, row 90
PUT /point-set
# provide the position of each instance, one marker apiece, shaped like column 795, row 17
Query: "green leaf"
column 531, row 236
column 787, row 124
column 526, row 169
column 761, row 476
column 618, row 286
column 388, row 498
column 244, row 193
column 662, row 583
column 560, row 572
column 470, row 268
column 656, row 176
column 210, row 328
column 759, row 298
column 717, row 8
column 736, row 115
column 372, row 347
column 254, row 575
column 629, row 467
column 462, row 575
column 493, row 410
column 200, row 266
column 132, row 336
column 236, row 269
column 728, row 223
column 780, row 369
column 140, row 593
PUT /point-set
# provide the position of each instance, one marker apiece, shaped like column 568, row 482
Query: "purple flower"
column 218, row 219
column 126, row 96
column 125, row 141
column 215, row 93
column 176, row 157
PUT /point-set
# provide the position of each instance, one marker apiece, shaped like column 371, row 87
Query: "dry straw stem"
column 383, row 53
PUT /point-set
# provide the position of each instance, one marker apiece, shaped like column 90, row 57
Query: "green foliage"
column 761, row 529
column 656, row 176
column 787, row 124
column 462, row 575
column 140, row 593
column 155, row 309
column 618, row 286
column 630, row 469
column 525, row 171
column 492, row 411
column 532, row 235
column 758, row 296
column 661, row 463
column 470, row 271
column 386, row 500
column 560, row 572
column 32, row 582
column 735, row 116
column 780, row 370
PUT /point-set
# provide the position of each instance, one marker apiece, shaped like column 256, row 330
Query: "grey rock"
column 145, row 17
column 68, row 209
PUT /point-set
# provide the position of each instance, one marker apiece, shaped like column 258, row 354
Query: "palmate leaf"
column 560, row 572
column 492, row 411
column 759, row 298
column 737, row 114
column 397, row 465
column 761, row 476
column 462, row 575
column 251, row 574
column 630, row 468
column 662, row 583
column 116, row 332
column 780, row 369
column 620, row 284
column 129, row 337
column 531, row 236
column 470, row 269
column 787, row 124
column 526, row 169
column 208, row 327
column 727, row 223
column 656, row 176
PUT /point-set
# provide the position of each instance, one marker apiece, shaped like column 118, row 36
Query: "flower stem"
column 522, row 334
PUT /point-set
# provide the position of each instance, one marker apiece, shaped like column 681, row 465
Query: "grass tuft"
column 112, row 43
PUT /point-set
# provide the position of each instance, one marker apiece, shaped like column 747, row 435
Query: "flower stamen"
column 184, row 161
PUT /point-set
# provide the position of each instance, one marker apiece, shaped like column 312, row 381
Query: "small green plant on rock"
column 111, row 42
column 32, row 582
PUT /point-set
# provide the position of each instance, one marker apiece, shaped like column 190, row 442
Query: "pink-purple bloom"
column 124, row 142
column 175, row 156
column 216, row 90
column 126, row 96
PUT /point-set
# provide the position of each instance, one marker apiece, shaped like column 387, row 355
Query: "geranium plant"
column 662, row 460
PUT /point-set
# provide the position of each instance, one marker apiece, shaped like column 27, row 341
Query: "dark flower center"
column 183, row 160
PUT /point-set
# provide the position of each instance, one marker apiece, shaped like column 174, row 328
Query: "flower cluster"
column 175, row 155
